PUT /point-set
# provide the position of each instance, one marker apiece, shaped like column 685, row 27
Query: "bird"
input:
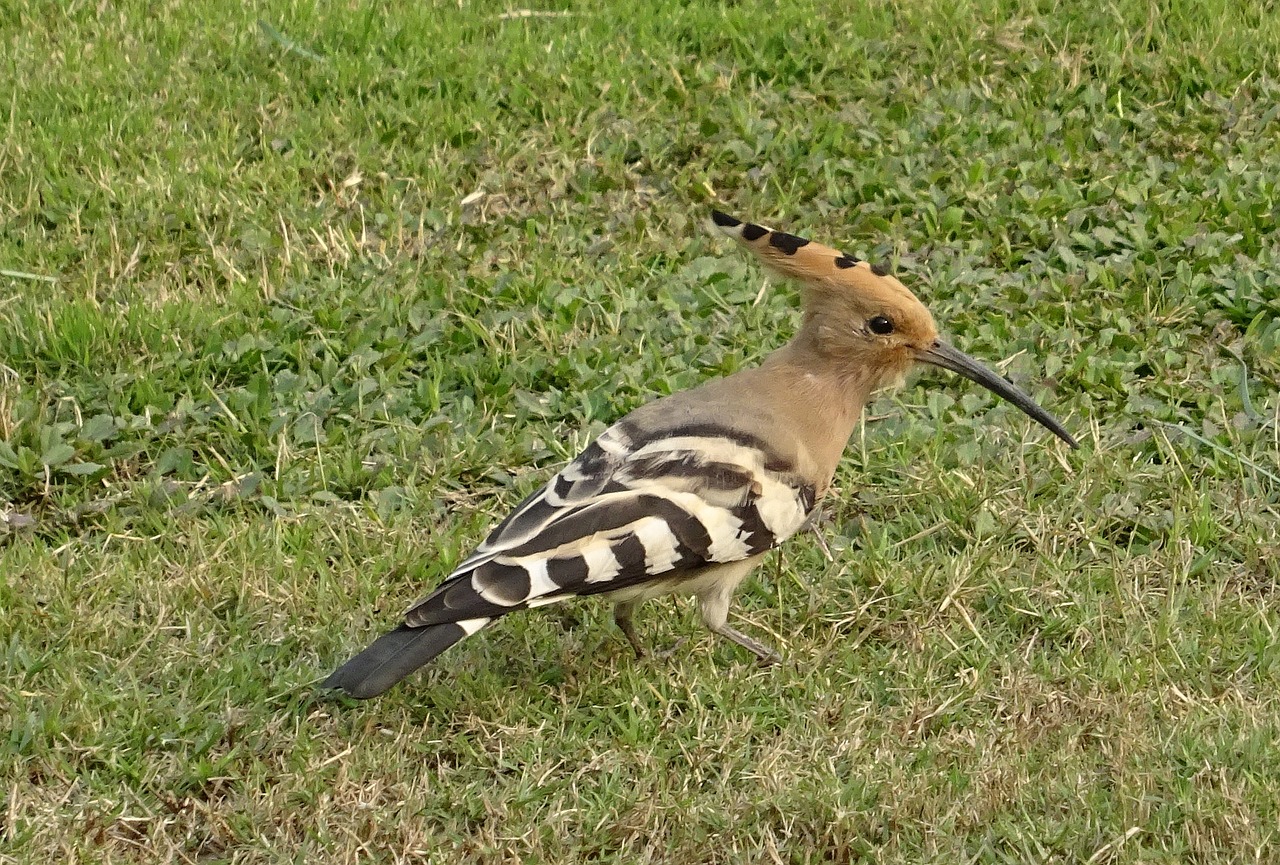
column 688, row 493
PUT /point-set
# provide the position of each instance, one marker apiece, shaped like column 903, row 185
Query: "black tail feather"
column 391, row 657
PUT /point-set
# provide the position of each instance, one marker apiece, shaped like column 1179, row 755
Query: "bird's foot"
column 767, row 655
column 668, row 653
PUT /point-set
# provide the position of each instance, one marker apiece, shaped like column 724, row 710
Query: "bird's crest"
column 831, row 279
column 803, row 259
column 797, row 257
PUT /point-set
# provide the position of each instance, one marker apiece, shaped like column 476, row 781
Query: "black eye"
column 880, row 325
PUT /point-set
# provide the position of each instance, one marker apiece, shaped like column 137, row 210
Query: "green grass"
column 296, row 301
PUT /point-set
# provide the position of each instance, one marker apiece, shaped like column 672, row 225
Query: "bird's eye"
column 880, row 325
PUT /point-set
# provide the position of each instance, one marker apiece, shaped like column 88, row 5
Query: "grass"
column 296, row 301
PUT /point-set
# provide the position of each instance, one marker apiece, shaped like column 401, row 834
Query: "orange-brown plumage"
column 842, row 298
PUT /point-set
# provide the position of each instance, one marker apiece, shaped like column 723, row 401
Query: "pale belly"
column 722, row 578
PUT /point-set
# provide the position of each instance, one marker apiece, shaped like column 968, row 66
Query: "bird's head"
column 862, row 317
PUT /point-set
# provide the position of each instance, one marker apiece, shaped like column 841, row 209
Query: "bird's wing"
column 631, row 509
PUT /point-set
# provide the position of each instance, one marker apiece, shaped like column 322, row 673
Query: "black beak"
column 943, row 355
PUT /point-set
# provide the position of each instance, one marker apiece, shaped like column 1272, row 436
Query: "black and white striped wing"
column 629, row 510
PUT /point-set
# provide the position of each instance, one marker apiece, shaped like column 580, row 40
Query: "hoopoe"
column 688, row 493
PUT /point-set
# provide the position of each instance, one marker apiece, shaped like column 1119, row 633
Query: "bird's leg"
column 814, row 523
column 714, row 608
column 623, row 613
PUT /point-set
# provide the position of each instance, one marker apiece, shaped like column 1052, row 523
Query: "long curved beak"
column 943, row 355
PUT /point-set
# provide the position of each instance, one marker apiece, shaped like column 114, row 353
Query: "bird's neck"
column 823, row 396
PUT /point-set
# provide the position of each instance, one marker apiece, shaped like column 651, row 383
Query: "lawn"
column 297, row 300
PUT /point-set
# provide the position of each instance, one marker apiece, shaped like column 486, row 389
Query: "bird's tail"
column 395, row 655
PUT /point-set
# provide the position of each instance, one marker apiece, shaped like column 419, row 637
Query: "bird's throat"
column 823, row 403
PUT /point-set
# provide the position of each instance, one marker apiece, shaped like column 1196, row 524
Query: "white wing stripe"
column 721, row 525
column 470, row 626
column 661, row 546
column 614, row 442
column 539, row 583
column 780, row 508
column 602, row 566
column 724, row 450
